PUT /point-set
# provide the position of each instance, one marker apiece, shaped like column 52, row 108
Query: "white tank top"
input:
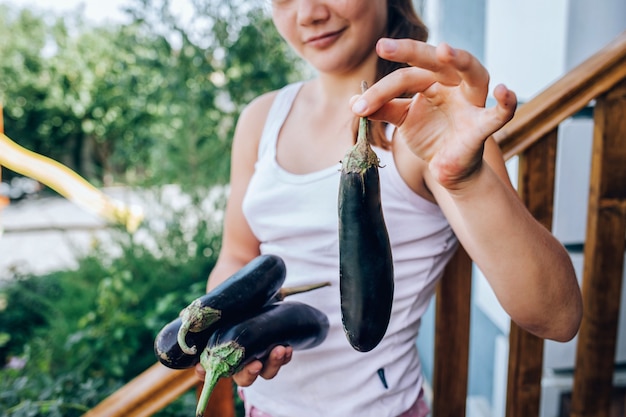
column 296, row 218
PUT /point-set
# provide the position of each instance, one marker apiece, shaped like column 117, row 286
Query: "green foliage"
column 228, row 54
column 74, row 337
column 150, row 102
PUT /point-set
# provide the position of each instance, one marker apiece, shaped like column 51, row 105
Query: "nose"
column 312, row 11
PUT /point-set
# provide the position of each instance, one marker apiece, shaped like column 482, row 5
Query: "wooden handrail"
column 532, row 135
column 148, row 393
column 534, row 121
column 543, row 113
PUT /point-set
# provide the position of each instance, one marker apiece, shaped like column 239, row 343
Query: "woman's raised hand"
column 438, row 106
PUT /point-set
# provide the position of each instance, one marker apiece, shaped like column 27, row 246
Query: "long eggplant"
column 169, row 352
column 366, row 280
column 286, row 323
column 249, row 288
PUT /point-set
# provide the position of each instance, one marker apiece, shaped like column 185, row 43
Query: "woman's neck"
column 339, row 88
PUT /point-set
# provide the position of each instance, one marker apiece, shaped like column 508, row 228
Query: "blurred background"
column 140, row 98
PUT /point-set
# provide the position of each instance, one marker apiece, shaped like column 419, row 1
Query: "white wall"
column 525, row 43
column 531, row 43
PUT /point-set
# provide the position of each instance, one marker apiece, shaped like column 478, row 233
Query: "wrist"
column 460, row 182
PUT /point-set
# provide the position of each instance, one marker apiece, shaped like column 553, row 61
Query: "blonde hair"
column 402, row 22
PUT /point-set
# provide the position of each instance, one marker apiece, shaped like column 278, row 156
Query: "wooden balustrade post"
column 452, row 331
column 222, row 402
column 537, row 167
column 604, row 258
column 148, row 393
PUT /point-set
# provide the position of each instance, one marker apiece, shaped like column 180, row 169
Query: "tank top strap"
column 276, row 117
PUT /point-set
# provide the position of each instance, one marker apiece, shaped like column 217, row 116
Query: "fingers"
column 418, row 55
column 200, row 372
column 431, row 68
column 473, row 74
column 496, row 117
column 507, row 102
column 449, row 65
column 279, row 356
column 380, row 101
column 248, row 374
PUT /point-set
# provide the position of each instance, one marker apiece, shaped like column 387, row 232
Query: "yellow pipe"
column 4, row 200
column 67, row 183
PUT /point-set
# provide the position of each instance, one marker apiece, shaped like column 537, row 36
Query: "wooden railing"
column 531, row 135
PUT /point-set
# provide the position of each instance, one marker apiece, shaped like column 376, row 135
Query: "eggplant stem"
column 361, row 156
column 218, row 361
column 298, row 289
column 180, row 338
column 195, row 318
column 210, row 380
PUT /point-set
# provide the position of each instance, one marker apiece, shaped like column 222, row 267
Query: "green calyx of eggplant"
column 218, row 362
column 361, row 156
column 195, row 318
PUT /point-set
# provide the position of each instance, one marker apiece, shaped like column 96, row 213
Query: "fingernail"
column 360, row 106
column 389, row 45
column 254, row 371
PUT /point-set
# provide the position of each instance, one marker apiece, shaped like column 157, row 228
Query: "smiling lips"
column 323, row 40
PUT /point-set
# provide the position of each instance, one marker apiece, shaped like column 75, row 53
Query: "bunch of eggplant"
column 230, row 348
column 366, row 280
column 238, row 321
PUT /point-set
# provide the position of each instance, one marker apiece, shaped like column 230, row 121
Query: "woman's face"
column 335, row 36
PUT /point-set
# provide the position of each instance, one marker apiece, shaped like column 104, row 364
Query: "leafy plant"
column 73, row 337
column 148, row 103
column 151, row 102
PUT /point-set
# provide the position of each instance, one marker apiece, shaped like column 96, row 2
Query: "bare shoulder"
column 252, row 118
column 250, row 125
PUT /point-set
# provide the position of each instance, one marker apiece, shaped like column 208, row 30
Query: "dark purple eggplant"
column 231, row 347
column 366, row 280
column 246, row 290
column 169, row 352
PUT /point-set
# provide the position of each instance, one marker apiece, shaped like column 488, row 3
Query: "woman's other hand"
column 279, row 356
column 444, row 120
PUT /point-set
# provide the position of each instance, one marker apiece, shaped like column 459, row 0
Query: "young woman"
column 442, row 179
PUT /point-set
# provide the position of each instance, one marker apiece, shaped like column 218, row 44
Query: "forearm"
column 528, row 269
column 235, row 254
column 223, row 269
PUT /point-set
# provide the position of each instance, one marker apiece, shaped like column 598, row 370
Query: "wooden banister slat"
column 148, row 393
column 564, row 98
column 537, row 170
column 604, row 259
column 222, row 402
column 452, row 327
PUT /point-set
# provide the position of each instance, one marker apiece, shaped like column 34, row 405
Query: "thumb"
column 393, row 112
column 503, row 111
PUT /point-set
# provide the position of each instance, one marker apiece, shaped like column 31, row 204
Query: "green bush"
column 71, row 338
